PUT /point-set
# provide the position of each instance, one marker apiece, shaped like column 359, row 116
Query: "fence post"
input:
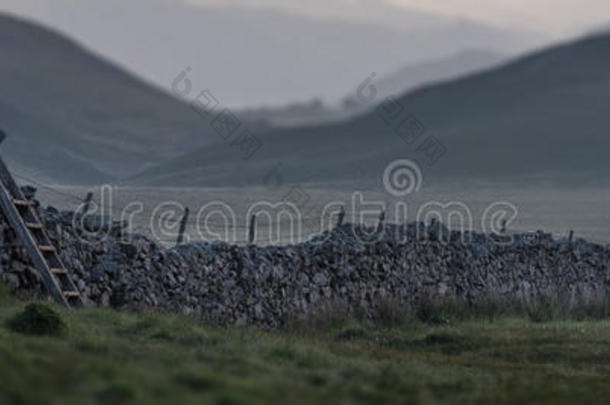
column 183, row 222
column 341, row 217
column 571, row 238
column 381, row 220
column 252, row 229
column 503, row 229
column 87, row 203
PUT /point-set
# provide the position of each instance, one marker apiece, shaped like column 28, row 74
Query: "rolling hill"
column 255, row 53
column 410, row 77
column 75, row 118
column 401, row 81
column 543, row 115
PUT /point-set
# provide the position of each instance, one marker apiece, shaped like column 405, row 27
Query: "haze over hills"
column 262, row 56
column 405, row 79
column 544, row 115
column 410, row 77
column 73, row 117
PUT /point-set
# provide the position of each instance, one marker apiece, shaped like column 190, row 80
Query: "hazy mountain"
column 257, row 56
column 429, row 72
column 396, row 83
column 73, row 117
column 599, row 29
column 542, row 115
column 295, row 114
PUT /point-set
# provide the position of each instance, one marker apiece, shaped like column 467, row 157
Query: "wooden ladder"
column 29, row 229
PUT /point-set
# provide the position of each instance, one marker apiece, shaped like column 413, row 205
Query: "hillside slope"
column 410, row 77
column 542, row 115
column 401, row 81
column 74, row 117
column 255, row 53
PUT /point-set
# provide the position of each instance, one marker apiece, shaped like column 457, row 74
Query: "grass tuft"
column 195, row 381
column 352, row 333
column 5, row 293
column 441, row 339
column 112, row 356
column 116, row 393
column 440, row 311
column 37, row 319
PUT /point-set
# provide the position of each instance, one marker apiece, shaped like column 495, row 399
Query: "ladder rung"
column 21, row 203
column 19, row 213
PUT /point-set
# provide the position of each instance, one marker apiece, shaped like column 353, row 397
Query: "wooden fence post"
column 183, row 222
column 252, row 229
column 381, row 220
column 87, row 203
column 341, row 217
column 571, row 238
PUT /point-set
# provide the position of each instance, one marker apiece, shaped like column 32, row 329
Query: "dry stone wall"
column 350, row 266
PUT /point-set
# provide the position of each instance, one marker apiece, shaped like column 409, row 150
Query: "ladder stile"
column 24, row 220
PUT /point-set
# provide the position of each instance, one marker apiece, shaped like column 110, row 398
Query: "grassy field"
column 104, row 356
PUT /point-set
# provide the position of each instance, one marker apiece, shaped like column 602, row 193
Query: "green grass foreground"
column 105, row 356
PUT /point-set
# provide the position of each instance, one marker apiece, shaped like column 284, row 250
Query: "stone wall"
column 229, row 284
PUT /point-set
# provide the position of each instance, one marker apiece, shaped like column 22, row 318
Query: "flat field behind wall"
column 586, row 210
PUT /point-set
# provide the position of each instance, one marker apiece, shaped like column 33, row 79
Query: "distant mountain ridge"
column 543, row 115
column 73, row 117
column 430, row 72
column 316, row 112
column 269, row 56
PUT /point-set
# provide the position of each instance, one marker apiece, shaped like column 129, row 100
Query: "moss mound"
column 37, row 319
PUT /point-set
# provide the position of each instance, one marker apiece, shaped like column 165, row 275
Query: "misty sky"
column 553, row 17
column 271, row 52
